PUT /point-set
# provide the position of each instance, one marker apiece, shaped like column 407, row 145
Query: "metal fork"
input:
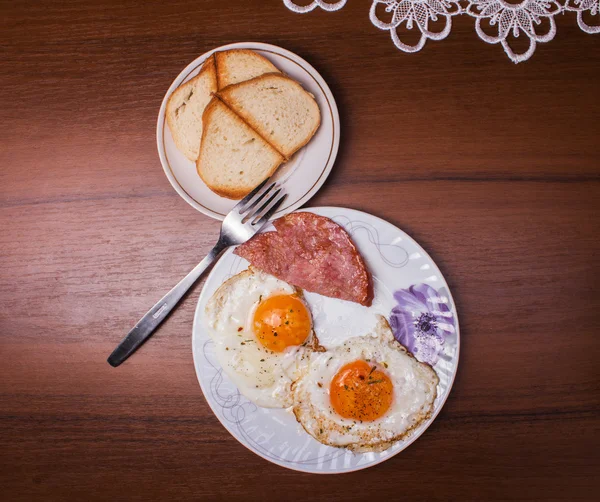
column 242, row 222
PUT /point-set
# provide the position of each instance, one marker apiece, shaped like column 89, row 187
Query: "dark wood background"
column 493, row 167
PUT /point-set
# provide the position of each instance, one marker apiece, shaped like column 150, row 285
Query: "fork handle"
column 146, row 326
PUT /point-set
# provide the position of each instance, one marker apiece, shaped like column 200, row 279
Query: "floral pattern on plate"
column 421, row 321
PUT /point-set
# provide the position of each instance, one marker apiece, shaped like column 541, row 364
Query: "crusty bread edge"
column 216, row 60
column 219, row 54
column 205, row 67
column 228, row 194
column 253, row 126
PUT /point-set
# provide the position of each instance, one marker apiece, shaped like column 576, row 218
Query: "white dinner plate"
column 406, row 281
column 303, row 175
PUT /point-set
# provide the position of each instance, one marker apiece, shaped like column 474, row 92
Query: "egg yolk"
column 281, row 321
column 360, row 391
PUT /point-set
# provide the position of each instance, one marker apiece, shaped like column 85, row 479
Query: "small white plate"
column 303, row 175
column 403, row 274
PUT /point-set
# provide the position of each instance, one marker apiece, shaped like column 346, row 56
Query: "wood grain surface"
column 493, row 167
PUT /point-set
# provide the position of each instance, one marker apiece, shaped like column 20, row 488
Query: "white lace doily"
column 495, row 20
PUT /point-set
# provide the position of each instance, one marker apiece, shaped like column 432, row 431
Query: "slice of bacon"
column 313, row 253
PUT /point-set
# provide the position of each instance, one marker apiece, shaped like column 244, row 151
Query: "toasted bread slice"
column 233, row 158
column 237, row 65
column 185, row 107
column 278, row 108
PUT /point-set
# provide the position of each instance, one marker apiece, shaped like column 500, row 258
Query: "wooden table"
column 493, row 167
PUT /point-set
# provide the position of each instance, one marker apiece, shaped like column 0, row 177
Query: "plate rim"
column 195, row 327
column 161, row 124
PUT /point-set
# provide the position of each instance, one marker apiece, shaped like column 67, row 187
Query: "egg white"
column 414, row 392
column 263, row 376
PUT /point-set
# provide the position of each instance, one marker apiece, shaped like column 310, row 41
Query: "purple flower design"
column 421, row 321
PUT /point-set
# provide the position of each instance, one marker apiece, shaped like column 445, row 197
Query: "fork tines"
column 260, row 204
column 270, row 206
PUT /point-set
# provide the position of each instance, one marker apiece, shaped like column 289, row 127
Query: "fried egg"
column 262, row 330
column 364, row 394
